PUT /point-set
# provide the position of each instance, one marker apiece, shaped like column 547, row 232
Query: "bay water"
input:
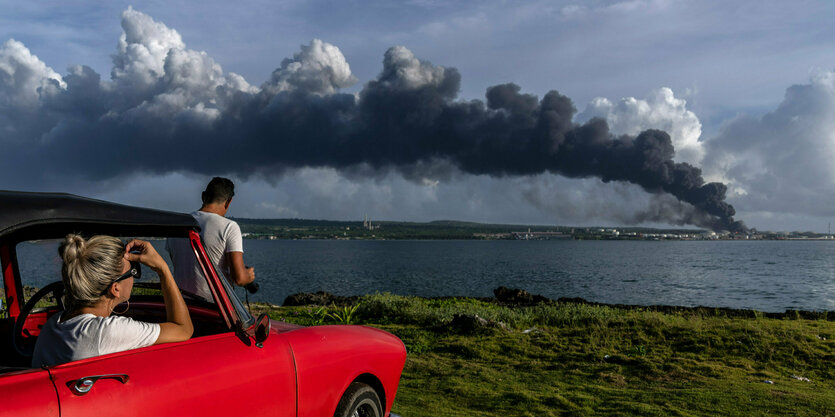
column 770, row 276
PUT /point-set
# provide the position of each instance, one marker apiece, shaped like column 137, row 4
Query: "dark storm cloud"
column 169, row 109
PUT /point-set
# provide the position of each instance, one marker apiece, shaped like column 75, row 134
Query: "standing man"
column 222, row 240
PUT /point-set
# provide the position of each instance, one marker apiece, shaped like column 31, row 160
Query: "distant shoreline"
column 297, row 229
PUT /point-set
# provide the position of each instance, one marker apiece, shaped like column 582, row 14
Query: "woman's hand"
column 146, row 254
column 178, row 326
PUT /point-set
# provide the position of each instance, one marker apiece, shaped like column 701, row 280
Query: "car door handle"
column 85, row 384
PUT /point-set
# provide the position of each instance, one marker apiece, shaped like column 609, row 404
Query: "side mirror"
column 262, row 329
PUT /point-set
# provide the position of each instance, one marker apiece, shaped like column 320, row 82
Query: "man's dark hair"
column 219, row 190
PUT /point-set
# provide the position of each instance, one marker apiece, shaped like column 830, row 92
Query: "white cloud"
column 24, row 82
column 154, row 71
column 401, row 69
column 23, row 77
column 456, row 27
column 635, row 5
column 614, row 8
column 319, row 68
column 142, row 49
column 782, row 162
column 572, row 10
column 324, row 193
column 660, row 110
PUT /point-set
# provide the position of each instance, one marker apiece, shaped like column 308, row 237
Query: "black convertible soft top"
column 27, row 216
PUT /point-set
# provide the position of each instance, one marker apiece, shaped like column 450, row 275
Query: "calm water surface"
column 762, row 275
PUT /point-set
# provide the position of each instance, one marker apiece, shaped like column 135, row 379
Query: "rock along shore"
column 514, row 297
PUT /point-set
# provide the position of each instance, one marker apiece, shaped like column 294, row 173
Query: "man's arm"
column 241, row 274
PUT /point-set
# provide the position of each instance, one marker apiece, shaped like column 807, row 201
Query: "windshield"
column 243, row 313
column 39, row 265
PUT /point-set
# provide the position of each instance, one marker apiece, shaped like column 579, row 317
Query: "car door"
column 224, row 374
column 27, row 392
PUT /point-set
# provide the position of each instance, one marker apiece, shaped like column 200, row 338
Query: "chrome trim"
column 85, row 384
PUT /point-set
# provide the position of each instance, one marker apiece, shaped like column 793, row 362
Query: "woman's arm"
column 178, row 326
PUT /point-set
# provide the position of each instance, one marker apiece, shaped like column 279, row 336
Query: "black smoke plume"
column 514, row 134
column 189, row 118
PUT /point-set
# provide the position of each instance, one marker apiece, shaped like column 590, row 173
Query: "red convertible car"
column 234, row 365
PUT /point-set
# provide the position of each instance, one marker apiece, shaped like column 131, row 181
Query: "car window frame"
column 236, row 314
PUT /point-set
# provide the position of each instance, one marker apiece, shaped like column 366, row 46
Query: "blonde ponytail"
column 89, row 267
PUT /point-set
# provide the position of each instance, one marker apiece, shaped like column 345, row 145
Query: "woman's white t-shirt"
column 88, row 335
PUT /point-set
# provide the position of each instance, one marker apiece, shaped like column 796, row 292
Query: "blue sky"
column 729, row 67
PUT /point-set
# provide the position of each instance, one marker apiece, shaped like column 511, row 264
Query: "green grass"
column 577, row 359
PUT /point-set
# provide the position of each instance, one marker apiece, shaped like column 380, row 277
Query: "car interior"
column 38, row 266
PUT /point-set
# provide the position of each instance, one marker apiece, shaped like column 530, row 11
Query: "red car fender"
column 329, row 358
column 32, row 394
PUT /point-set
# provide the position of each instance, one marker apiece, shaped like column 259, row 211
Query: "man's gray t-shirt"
column 219, row 236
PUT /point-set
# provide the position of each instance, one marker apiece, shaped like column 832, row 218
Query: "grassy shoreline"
column 572, row 358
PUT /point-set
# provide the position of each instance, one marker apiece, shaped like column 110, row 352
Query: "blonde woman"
column 98, row 275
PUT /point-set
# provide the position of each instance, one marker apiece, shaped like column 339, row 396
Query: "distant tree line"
column 440, row 229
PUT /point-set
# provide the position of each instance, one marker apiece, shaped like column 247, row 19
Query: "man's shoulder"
column 204, row 217
column 215, row 222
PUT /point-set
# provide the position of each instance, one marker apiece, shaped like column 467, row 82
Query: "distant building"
column 366, row 224
column 539, row 235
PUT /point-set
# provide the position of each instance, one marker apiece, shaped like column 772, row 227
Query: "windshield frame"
column 235, row 311
column 244, row 315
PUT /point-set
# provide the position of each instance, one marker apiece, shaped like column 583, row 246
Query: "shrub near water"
column 579, row 359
